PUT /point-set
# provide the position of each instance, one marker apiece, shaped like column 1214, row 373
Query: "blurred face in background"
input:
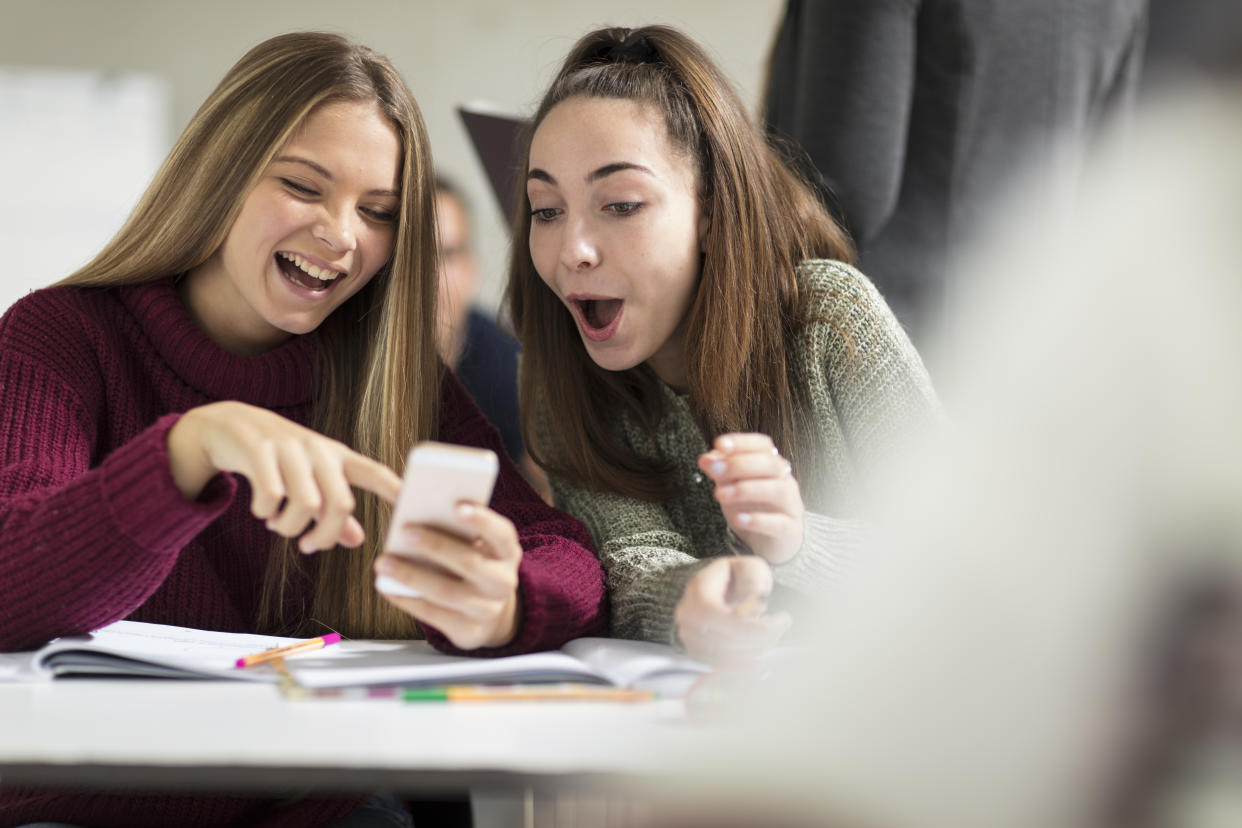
column 459, row 278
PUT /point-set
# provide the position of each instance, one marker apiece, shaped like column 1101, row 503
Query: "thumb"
column 710, row 584
column 750, row 580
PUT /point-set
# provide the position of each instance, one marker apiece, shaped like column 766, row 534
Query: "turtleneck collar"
column 283, row 376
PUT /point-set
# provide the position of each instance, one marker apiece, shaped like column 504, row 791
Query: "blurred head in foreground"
column 1048, row 632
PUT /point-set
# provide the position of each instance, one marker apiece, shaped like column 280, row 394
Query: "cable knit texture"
column 867, row 388
column 94, row 529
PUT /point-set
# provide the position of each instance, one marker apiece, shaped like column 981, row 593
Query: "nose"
column 578, row 248
column 335, row 229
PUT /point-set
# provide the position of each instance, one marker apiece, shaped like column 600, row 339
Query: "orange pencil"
column 281, row 652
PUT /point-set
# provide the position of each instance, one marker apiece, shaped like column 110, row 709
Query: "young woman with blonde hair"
column 229, row 386
column 704, row 374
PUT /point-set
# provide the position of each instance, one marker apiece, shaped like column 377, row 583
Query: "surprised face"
column 616, row 229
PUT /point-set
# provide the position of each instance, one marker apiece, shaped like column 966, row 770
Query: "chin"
column 299, row 327
column 610, row 360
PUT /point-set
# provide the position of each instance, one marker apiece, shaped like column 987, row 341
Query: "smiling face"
column 616, row 228
column 318, row 225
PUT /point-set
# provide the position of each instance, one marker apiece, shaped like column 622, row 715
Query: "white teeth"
column 323, row 274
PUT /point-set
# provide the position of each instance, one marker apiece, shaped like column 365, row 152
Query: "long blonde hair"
column 379, row 375
column 765, row 219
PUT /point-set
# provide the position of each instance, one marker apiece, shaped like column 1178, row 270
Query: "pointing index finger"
column 372, row 475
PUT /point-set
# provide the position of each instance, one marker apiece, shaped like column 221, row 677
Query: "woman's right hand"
column 296, row 475
column 721, row 615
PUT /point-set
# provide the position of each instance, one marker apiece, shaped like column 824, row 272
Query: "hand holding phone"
column 437, row 477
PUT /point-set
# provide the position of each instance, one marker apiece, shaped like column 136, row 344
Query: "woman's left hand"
column 468, row 589
column 758, row 494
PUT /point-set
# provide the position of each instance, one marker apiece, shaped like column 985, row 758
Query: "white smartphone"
column 437, row 477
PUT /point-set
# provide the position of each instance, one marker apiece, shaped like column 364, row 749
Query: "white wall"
column 450, row 52
column 79, row 147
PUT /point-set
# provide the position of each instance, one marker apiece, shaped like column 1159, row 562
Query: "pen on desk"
column 281, row 652
column 485, row 692
column 523, row 692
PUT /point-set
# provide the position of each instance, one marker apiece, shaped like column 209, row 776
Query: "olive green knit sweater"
column 867, row 386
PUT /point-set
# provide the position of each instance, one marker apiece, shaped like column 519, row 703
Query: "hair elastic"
column 638, row 51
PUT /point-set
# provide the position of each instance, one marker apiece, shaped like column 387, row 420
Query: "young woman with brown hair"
column 265, row 321
column 689, row 319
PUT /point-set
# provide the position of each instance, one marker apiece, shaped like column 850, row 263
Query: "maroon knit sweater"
column 93, row 530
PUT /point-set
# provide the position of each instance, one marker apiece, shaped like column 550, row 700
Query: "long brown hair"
column 379, row 376
column 764, row 220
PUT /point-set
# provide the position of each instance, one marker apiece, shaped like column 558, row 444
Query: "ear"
column 705, row 223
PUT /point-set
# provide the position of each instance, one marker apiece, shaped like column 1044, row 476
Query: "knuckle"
column 470, row 567
column 295, row 512
column 338, row 508
column 470, row 636
column 426, row 542
column 310, row 502
column 502, row 586
column 265, row 500
column 458, row 594
column 511, row 579
column 511, row 536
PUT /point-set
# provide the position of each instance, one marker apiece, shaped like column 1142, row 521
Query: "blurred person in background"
column 1189, row 41
column 916, row 113
column 482, row 355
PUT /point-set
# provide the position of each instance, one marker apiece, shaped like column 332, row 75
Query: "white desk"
column 203, row 736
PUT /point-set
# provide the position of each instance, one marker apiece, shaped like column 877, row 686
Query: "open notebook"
column 129, row 648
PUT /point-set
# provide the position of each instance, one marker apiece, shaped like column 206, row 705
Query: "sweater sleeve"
column 869, row 379
column 560, row 582
column 647, row 561
column 85, row 543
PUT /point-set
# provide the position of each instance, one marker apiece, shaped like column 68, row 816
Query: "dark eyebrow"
column 537, row 174
column 620, row 166
column 293, row 159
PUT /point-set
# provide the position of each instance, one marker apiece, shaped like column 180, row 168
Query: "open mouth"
column 598, row 317
column 305, row 274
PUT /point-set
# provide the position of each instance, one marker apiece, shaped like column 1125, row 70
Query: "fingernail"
column 775, row 451
column 743, row 518
column 307, row 548
column 718, row 467
column 726, row 443
column 465, row 511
